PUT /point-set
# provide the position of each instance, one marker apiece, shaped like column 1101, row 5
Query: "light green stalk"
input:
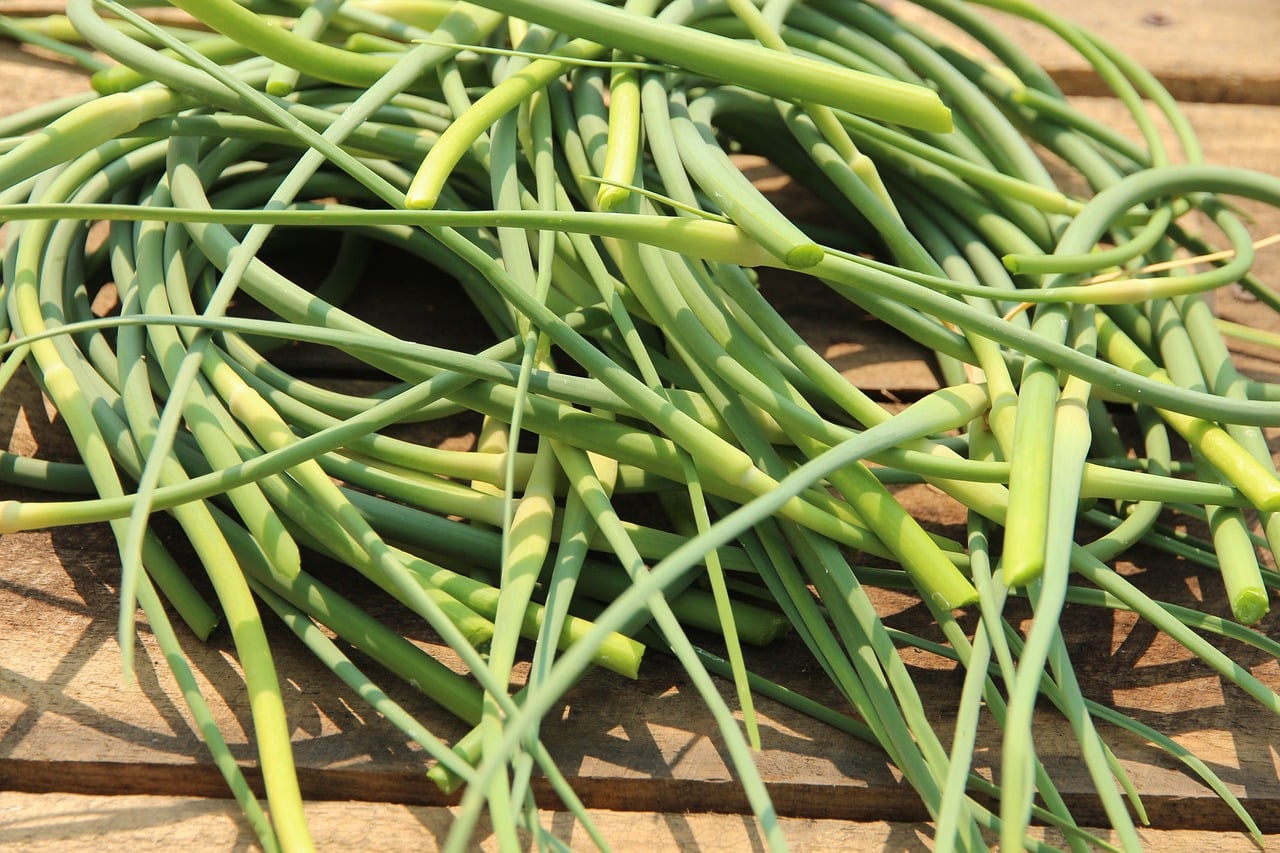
column 771, row 72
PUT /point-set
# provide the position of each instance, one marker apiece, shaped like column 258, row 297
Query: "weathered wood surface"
column 1215, row 53
column 87, row 761
column 71, row 823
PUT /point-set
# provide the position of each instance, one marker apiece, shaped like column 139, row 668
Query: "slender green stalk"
column 777, row 74
column 717, row 241
column 657, row 442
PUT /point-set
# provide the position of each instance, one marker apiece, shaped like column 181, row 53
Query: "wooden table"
column 87, row 762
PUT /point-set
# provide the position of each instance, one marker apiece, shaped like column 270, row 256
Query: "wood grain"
column 1213, row 53
column 61, row 823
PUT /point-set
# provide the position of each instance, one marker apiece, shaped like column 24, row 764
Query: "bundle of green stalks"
column 660, row 454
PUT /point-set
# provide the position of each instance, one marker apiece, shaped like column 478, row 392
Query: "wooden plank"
column 141, row 824
column 68, row 724
column 1219, row 52
column 1211, row 52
